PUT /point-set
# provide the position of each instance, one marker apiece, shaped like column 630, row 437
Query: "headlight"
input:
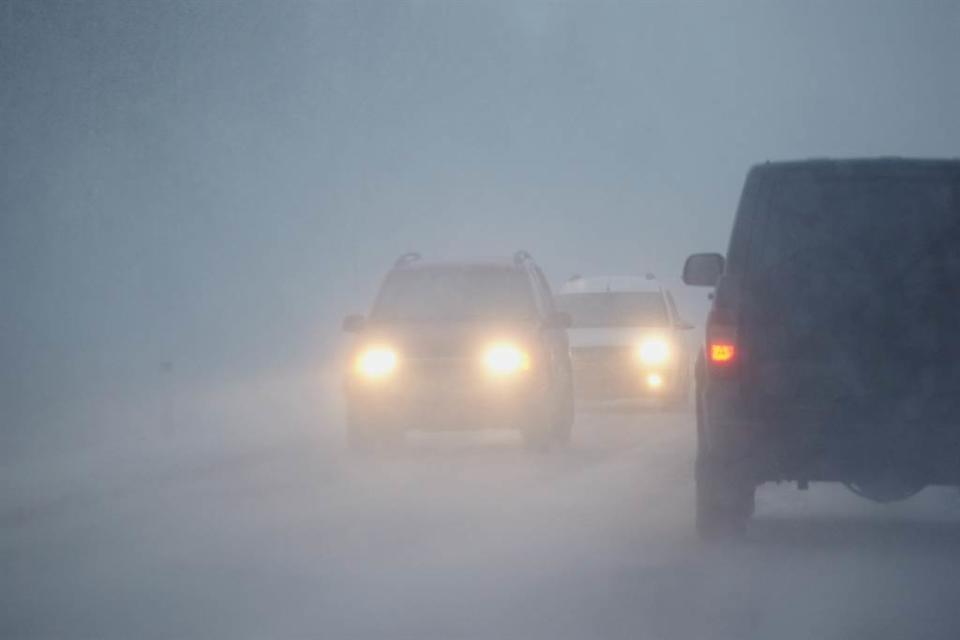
column 654, row 351
column 376, row 362
column 654, row 381
column 505, row 359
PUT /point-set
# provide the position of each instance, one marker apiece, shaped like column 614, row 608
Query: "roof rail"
column 407, row 258
column 521, row 256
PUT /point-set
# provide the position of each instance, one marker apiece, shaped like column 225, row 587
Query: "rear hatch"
column 851, row 309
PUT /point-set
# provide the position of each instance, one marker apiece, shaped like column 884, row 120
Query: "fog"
column 192, row 196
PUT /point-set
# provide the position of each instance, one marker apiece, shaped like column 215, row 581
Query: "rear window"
column 615, row 309
column 866, row 231
column 867, row 268
column 454, row 294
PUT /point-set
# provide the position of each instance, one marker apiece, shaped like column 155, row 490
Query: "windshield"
column 454, row 294
column 630, row 309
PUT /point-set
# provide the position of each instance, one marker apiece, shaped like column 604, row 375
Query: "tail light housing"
column 723, row 350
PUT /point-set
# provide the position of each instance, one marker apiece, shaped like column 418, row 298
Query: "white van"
column 626, row 340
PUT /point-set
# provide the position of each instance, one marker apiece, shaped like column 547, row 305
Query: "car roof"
column 610, row 284
column 891, row 166
column 475, row 263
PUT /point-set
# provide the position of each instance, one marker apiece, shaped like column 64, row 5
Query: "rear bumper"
column 781, row 445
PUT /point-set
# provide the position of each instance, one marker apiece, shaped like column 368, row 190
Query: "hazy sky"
column 215, row 183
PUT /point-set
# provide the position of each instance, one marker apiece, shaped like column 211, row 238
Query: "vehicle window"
column 840, row 255
column 446, row 294
column 617, row 309
column 866, row 233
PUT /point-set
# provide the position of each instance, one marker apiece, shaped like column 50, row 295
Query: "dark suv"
column 460, row 345
column 832, row 347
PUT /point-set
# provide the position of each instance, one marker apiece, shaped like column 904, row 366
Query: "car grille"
column 441, row 368
column 601, row 356
column 439, row 349
column 603, row 372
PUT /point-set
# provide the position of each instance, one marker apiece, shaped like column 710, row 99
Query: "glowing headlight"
column 376, row 362
column 505, row 359
column 654, row 351
column 654, row 381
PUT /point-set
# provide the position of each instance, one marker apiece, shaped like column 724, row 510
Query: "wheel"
column 553, row 423
column 724, row 500
column 724, row 489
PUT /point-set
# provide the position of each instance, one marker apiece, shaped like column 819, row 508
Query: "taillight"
column 722, row 350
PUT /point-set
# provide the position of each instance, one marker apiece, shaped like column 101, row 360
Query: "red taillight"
column 722, row 349
column 722, row 352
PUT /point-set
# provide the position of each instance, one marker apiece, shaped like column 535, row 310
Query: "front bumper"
column 613, row 379
column 448, row 400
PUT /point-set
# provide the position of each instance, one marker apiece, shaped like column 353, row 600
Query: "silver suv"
column 460, row 345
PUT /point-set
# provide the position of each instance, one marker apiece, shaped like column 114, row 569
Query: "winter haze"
column 193, row 195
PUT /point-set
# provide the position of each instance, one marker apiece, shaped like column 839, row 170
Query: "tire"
column 724, row 499
column 725, row 491
column 554, row 425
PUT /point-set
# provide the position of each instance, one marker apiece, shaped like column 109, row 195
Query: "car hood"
column 611, row 336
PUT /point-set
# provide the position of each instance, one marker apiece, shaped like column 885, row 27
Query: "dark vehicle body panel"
column 849, row 368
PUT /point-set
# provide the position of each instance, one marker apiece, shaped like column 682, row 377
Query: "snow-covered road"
column 236, row 513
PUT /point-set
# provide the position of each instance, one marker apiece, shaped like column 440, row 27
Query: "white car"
column 626, row 340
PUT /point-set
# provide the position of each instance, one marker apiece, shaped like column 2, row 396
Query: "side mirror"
column 558, row 320
column 354, row 323
column 684, row 325
column 703, row 269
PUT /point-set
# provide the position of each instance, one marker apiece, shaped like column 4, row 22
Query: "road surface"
column 234, row 512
